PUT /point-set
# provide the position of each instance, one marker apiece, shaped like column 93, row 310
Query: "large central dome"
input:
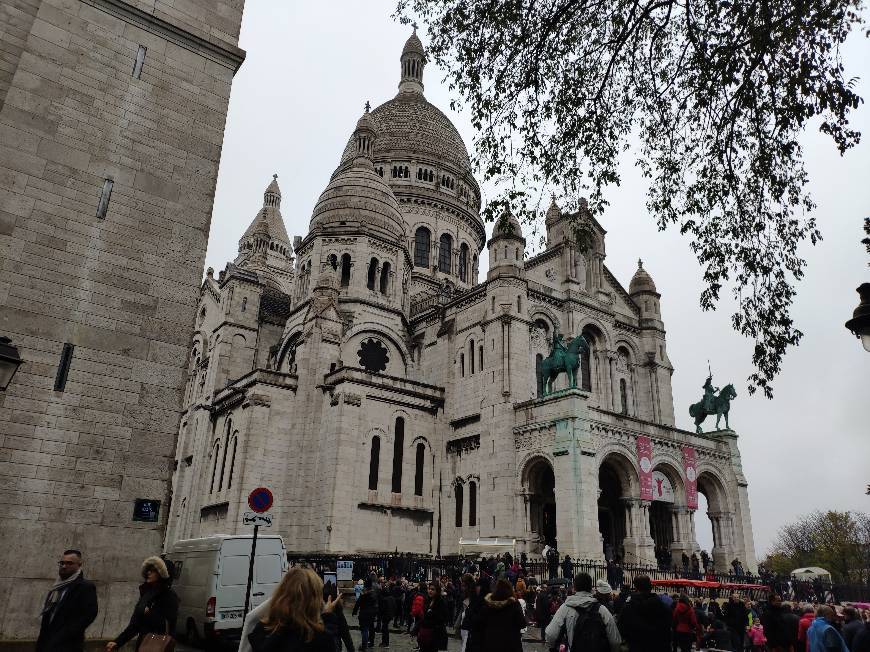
column 408, row 125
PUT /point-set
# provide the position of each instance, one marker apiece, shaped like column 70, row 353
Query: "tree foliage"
column 837, row 541
column 714, row 92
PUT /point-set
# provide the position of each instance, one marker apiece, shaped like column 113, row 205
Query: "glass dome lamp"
column 860, row 322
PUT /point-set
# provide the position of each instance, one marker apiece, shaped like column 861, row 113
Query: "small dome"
column 641, row 281
column 358, row 195
column 414, row 45
column 509, row 227
column 554, row 212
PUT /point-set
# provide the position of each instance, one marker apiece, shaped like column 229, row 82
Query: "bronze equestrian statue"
column 561, row 359
column 712, row 404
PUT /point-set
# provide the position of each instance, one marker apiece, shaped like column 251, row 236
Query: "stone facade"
column 389, row 398
column 123, row 102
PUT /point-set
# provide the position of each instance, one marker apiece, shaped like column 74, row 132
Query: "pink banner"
column 644, row 462
column 689, row 465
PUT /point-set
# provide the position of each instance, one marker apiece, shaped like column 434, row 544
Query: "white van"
column 211, row 576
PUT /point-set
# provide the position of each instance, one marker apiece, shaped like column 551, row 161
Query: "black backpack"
column 590, row 633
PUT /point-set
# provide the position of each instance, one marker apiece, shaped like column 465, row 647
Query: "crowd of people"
column 490, row 606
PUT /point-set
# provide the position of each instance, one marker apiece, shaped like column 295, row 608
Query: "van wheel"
column 191, row 635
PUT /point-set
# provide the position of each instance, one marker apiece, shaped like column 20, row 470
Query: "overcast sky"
column 311, row 67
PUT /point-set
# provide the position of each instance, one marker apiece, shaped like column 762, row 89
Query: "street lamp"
column 860, row 322
column 9, row 362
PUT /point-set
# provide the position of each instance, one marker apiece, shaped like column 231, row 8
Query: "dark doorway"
column 542, row 483
column 662, row 531
column 611, row 512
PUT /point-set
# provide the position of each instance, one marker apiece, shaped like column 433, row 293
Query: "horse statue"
column 712, row 404
column 561, row 359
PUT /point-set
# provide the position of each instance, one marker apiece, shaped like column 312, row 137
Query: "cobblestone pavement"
column 404, row 643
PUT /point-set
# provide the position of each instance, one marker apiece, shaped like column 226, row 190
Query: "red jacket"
column 685, row 620
column 417, row 606
column 803, row 625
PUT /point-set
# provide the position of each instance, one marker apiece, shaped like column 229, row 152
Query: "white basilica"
column 388, row 396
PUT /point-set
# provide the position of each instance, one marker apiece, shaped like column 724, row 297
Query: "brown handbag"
column 158, row 642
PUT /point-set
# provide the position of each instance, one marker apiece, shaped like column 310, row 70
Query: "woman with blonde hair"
column 297, row 617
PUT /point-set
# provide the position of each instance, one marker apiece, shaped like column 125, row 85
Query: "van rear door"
column 233, row 578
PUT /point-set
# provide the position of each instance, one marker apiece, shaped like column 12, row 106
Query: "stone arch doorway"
column 668, row 493
column 541, row 485
column 615, row 489
column 721, row 519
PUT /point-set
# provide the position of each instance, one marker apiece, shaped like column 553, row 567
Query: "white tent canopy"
column 810, row 573
column 487, row 546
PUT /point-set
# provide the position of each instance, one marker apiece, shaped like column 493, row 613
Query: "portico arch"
column 665, row 514
column 721, row 515
column 618, row 488
column 539, row 487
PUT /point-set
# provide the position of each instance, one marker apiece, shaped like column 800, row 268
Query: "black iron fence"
column 538, row 571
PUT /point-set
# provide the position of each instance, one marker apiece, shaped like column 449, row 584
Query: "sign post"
column 259, row 500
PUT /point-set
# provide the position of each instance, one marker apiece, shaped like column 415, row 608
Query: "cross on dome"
column 368, row 106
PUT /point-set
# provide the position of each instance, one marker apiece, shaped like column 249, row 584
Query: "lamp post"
column 860, row 322
column 9, row 362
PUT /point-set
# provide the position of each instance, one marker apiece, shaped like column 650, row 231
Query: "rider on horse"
column 558, row 346
column 709, row 391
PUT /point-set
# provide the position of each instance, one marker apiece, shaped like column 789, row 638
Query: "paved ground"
column 403, row 642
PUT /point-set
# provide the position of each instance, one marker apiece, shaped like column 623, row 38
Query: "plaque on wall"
column 146, row 510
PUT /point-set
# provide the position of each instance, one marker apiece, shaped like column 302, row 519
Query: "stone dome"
column 641, row 281
column 510, row 228
column 408, row 126
column 358, row 195
column 414, row 45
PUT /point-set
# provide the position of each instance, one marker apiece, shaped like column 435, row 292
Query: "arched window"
column 421, row 247
column 586, row 364
column 445, row 247
column 519, row 303
column 374, row 463
column 419, row 174
column 398, row 450
column 345, row 270
column 457, row 493
column 333, row 261
column 216, row 453
column 463, row 262
column 623, row 395
column 233, row 461
column 418, row 469
column 471, row 355
column 480, row 357
column 373, row 270
column 462, row 365
column 385, row 277
column 472, row 503
column 407, row 173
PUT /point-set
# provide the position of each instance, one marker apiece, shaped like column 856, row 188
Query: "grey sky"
column 310, row 69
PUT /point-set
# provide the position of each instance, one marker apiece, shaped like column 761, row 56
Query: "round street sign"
column 260, row 500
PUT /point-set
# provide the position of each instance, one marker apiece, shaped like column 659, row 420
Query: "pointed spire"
column 364, row 138
column 272, row 196
column 554, row 212
column 413, row 60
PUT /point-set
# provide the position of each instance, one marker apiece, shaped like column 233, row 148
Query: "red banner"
column 644, row 463
column 689, row 468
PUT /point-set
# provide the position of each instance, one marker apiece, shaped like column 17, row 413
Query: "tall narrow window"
column 471, row 356
column 224, row 458
column 418, row 469
column 421, row 247
column 445, row 248
column 398, row 450
column 140, row 61
column 373, row 270
column 233, row 461
column 345, row 270
column 586, row 369
column 457, row 492
column 216, row 454
column 385, row 277
column 480, row 357
column 63, row 368
column 463, row 263
column 105, row 196
column 538, row 360
column 462, row 365
column 623, row 395
column 374, row 463
column 472, row 503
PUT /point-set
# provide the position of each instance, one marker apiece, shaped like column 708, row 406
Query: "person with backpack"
column 583, row 623
column 645, row 621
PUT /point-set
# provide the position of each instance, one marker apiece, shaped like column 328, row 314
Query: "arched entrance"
column 720, row 515
column 661, row 515
column 541, row 483
column 617, row 482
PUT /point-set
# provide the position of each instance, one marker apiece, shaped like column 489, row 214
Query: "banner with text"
column 644, row 462
column 689, row 465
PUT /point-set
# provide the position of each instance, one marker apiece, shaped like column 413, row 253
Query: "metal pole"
column 250, row 574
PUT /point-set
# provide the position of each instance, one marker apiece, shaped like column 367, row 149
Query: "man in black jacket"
column 69, row 608
column 736, row 620
column 645, row 621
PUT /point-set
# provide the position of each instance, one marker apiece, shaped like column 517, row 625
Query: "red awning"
column 704, row 584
